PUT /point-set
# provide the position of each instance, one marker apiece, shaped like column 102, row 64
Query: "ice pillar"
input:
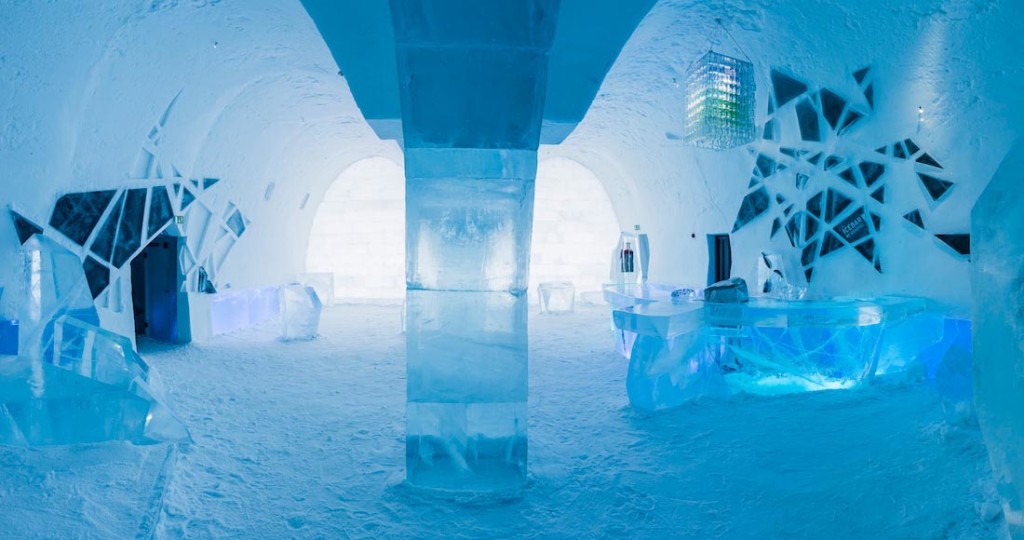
column 997, row 283
column 472, row 78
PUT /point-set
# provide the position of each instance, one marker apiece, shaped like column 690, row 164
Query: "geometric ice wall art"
column 824, row 190
column 109, row 227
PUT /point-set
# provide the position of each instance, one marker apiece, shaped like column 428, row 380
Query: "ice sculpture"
column 686, row 349
column 556, row 297
column 730, row 291
column 631, row 259
column 997, row 274
column 93, row 387
column 300, row 312
column 720, row 102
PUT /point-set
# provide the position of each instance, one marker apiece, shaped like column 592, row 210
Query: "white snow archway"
column 574, row 227
column 359, row 229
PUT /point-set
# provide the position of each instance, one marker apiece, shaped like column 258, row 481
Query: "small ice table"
column 686, row 348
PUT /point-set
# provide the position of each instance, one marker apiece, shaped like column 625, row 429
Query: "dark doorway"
column 719, row 258
column 155, row 285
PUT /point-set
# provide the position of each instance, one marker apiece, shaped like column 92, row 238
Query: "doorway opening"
column 156, row 282
column 719, row 258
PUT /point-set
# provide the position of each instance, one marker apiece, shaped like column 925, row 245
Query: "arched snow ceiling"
column 260, row 100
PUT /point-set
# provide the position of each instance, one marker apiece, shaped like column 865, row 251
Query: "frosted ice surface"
column 997, row 254
column 300, row 312
column 92, row 388
column 556, row 297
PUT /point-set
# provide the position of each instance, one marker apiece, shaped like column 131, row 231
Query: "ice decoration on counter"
column 771, row 274
column 996, row 277
column 684, row 293
column 92, row 387
column 730, row 291
column 300, row 312
column 556, row 297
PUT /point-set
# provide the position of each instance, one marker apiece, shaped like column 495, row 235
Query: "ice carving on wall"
column 108, row 228
column 810, row 179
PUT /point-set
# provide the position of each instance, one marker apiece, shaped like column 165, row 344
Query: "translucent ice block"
column 300, row 312
column 466, row 355
column 55, row 285
column 997, row 255
column 766, row 346
column 93, row 387
column 323, row 283
column 556, row 297
column 468, row 234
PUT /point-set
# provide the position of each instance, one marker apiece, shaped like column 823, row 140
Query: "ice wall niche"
column 997, row 282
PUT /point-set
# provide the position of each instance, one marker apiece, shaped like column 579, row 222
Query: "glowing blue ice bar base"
column 686, row 349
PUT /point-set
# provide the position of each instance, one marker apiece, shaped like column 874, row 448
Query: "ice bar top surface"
column 658, row 314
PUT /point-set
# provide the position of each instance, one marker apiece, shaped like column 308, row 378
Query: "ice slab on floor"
column 93, row 387
column 997, row 271
column 300, row 312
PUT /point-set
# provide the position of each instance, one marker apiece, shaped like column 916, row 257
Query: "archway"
column 359, row 229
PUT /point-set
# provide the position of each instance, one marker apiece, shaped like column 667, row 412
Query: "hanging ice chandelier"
column 720, row 102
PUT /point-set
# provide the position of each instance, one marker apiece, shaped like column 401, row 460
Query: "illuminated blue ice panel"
column 229, row 311
column 466, row 355
column 8, row 338
column 92, row 388
column 688, row 349
column 234, row 310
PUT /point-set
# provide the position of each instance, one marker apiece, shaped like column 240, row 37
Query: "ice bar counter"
column 682, row 348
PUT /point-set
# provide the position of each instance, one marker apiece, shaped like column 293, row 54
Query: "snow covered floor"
column 306, row 440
